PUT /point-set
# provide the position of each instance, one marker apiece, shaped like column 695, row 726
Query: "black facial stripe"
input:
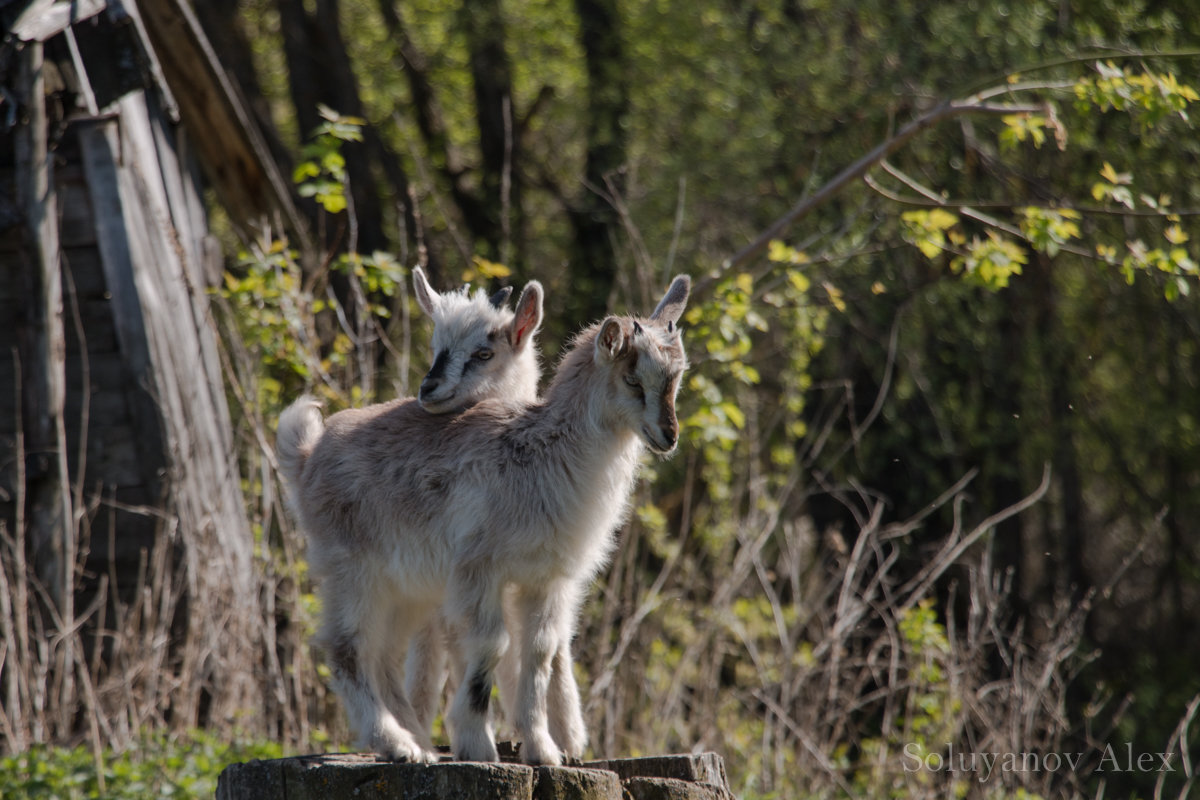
column 438, row 370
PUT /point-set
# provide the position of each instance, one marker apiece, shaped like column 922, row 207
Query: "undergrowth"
column 156, row 766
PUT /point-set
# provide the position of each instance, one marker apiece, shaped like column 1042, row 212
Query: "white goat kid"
column 481, row 349
column 406, row 511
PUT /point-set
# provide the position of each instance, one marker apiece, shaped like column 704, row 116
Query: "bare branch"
column 943, row 112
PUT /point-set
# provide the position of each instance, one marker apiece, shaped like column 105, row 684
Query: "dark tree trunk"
column 321, row 73
column 429, row 120
column 491, row 74
column 595, row 218
column 1070, row 574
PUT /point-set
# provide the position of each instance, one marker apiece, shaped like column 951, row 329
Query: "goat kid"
column 481, row 350
column 472, row 362
column 409, row 514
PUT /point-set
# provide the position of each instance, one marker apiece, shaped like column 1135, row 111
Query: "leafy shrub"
column 157, row 766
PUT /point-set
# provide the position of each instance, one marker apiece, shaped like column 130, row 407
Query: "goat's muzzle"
column 428, row 387
column 661, row 440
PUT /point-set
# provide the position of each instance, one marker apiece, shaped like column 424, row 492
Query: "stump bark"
column 365, row 777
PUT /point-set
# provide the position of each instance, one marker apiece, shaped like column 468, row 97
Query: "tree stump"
column 366, row 777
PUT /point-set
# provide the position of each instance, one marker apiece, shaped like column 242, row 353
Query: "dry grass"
column 820, row 663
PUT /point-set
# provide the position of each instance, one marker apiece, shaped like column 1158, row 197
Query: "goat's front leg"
column 474, row 599
column 547, row 620
column 563, row 704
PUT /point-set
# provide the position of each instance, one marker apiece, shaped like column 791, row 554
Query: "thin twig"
column 945, row 111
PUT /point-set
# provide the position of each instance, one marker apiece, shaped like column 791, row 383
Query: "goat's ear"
column 427, row 298
column 612, row 341
column 500, row 298
column 670, row 308
column 528, row 315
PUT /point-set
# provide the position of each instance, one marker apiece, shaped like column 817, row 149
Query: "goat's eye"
column 632, row 382
column 483, row 354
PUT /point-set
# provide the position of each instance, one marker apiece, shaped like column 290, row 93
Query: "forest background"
column 937, row 488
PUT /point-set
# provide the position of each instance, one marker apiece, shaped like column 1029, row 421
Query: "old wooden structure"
column 115, row 120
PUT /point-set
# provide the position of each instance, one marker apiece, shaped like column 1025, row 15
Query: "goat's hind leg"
column 365, row 651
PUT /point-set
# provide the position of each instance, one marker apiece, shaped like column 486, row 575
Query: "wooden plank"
column 45, row 19
column 106, row 409
column 100, row 146
column 192, row 406
column 99, row 329
column 75, row 210
column 106, row 371
column 248, row 181
column 113, row 458
column 43, row 354
column 183, row 197
column 205, row 486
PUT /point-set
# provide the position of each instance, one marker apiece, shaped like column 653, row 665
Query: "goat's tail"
column 300, row 426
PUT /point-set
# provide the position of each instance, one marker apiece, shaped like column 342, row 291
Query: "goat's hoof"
column 573, row 746
column 541, row 751
column 404, row 751
column 476, row 748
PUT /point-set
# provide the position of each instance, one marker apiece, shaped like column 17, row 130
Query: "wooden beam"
column 232, row 148
column 43, row 346
column 45, row 19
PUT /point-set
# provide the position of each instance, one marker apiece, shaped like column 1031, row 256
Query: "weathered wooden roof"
column 199, row 92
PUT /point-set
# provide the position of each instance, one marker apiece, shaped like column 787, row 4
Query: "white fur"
column 480, row 348
column 465, row 325
column 407, row 512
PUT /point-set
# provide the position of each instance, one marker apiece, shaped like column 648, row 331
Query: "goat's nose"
column 429, row 386
column 671, row 435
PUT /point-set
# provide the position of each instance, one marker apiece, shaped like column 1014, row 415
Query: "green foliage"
column 927, row 230
column 1048, row 229
column 482, row 270
column 278, row 313
column 1149, row 97
column 379, row 275
column 1020, row 128
column 723, row 328
column 274, row 314
column 1114, row 187
column 990, row 261
column 156, row 767
column 321, row 174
